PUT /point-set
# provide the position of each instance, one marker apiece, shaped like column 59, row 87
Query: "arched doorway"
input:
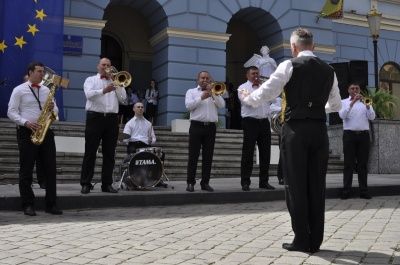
column 250, row 29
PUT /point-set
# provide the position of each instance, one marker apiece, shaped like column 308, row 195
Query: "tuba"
column 121, row 79
column 47, row 116
column 217, row 88
column 276, row 123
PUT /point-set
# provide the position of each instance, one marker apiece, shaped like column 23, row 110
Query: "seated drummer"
column 141, row 132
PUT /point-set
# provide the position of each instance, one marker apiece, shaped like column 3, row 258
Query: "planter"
column 384, row 151
column 180, row 125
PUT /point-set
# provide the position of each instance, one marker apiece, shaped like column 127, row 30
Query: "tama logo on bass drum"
column 145, row 162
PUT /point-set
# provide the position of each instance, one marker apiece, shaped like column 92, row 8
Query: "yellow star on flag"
column 3, row 46
column 32, row 29
column 20, row 41
column 40, row 14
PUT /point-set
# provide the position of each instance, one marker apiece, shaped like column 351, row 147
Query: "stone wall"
column 384, row 149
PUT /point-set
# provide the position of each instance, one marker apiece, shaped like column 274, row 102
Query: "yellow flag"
column 333, row 9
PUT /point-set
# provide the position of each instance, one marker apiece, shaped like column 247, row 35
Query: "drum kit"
column 140, row 170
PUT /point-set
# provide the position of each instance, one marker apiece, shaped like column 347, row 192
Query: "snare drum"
column 154, row 150
column 142, row 169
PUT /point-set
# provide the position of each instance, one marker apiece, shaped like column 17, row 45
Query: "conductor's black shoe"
column 266, row 186
column 29, row 210
column 42, row 185
column 246, row 187
column 291, row 247
column 109, row 189
column 344, row 196
column 53, row 210
column 280, row 181
column 190, row 188
column 86, row 188
column 365, row 196
column 206, row 187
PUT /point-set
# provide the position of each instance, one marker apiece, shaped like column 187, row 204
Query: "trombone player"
column 103, row 96
column 356, row 113
column 202, row 105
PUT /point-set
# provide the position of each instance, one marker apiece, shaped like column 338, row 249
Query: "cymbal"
column 123, row 136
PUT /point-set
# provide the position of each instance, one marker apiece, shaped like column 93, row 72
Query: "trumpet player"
column 256, row 129
column 103, row 97
column 356, row 117
column 203, row 118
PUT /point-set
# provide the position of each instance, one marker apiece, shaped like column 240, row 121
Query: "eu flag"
column 30, row 30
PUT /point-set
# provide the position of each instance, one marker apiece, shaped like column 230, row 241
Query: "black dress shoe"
column 365, row 196
column 109, row 189
column 190, row 188
column 28, row 210
column 280, row 181
column 53, row 210
column 206, row 187
column 344, row 196
column 246, row 187
column 266, row 186
column 291, row 247
column 86, row 188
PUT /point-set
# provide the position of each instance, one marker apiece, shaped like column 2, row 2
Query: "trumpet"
column 217, row 88
column 366, row 101
column 122, row 79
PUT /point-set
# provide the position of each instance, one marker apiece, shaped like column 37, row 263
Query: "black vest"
column 308, row 89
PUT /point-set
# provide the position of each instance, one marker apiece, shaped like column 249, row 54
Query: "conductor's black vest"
column 308, row 89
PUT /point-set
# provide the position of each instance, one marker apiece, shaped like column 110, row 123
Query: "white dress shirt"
column 203, row 110
column 260, row 112
column 139, row 130
column 151, row 95
column 99, row 102
column 274, row 86
column 23, row 105
column 356, row 118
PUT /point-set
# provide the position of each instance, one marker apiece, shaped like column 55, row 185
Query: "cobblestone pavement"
column 357, row 232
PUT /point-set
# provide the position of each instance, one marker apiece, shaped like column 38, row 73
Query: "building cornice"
column 84, row 23
column 317, row 49
column 188, row 34
column 388, row 22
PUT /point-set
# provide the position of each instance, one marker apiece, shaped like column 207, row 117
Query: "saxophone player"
column 26, row 103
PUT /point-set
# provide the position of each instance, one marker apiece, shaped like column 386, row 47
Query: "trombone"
column 217, row 88
column 121, row 79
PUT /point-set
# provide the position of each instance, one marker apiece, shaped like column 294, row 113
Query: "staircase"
column 226, row 162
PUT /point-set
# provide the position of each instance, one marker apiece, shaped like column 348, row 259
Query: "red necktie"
column 33, row 85
column 255, row 85
column 203, row 89
column 104, row 76
column 351, row 99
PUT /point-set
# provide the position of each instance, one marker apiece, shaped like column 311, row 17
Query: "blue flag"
column 30, row 30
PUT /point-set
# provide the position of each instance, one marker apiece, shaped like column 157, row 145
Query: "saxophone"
column 47, row 116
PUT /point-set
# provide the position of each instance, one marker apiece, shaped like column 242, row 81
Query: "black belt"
column 356, row 132
column 255, row 119
column 103, row 114
column 202, row 123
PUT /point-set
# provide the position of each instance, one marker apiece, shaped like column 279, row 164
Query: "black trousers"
column 28, row 153
column 201, row 136
column 305, row 152
column 280, row 171
column 100, row 128
column 356, row 152
column 255, row 131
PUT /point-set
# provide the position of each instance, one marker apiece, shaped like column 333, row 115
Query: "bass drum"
column 145, row 170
